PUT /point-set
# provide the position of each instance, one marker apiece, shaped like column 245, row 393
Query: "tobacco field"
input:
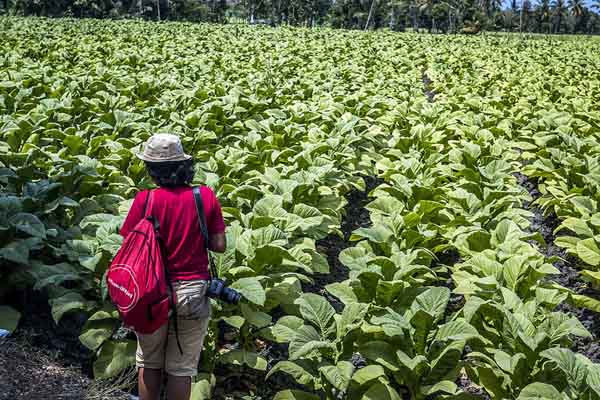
column 409, row 216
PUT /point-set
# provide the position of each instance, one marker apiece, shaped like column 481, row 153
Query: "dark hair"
column 171, row 173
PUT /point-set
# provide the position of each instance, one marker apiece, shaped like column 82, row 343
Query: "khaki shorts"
column 159, row 350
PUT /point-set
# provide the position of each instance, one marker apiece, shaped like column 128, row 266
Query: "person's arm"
column 135, row 213
column 217, row 241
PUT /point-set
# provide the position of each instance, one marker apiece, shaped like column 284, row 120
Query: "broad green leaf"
column 506, row 231
column 381, row 391
column 9, row 318
column 55, row 280
column 579, row 226
column 567, row 242
column 583, row 301
column 447, row 387
column 243, row 357
column 343, row 291
column 446, row 362
column 29, row 224
column 592, row 276
column 351, row 318
column 256, row 318
column 593, row 378
column 298, row 372
column 575, row 371
column 270, row 206
column 354, row 257
column 269, row 235
column 95, row 332
column 433, row 301
column 380, row 352
column 107, row 312
column 458, row 329
column 306, row 341
column 269, row 255
column 368, row 374
column 295, row 395
column 17, row 252
column 418, row 365
column 66, row 303
column 514, row 267
column 90, row 262
column 251, row 289
column 317, row 310
column 385, row 205
column 202, row 387
column 235, row 321
column 338, row 375
column 588, row 251
column 393, row 324
column 377, row 234
column 478, row 241
column 539, row 391
column 114, row 356
column 286, row 328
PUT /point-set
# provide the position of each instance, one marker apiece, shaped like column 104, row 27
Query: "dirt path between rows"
column 427, row 87
column 29, row 372
column 569, row 274
column 356, row 216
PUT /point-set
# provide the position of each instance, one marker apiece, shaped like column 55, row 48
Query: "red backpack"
column 138, row 279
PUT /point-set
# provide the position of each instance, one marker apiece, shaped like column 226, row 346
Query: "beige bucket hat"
column 163, row 147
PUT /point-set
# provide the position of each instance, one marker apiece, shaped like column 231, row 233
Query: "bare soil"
column 28, row 372
column 58, row 341
column 356, row 216
column 427, row 89
column 569, row 274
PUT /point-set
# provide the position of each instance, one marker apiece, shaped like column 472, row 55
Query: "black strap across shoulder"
column 204, row 229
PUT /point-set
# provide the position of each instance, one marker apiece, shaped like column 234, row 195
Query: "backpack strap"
column 146, row 203
column 161, row 245
column 204, row 230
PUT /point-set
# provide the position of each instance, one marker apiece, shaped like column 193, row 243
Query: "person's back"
column 174, row 207
column 175, row 210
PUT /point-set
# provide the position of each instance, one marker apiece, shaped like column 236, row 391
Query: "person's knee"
column 179, row 379
column 179, row 387
column 151, row 373
column 149, row 383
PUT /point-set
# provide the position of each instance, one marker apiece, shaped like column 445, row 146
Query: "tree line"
column 455, row 16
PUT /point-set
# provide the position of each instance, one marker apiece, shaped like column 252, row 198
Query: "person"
column 187, row 262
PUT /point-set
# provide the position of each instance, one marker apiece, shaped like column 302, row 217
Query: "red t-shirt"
column 175, row 210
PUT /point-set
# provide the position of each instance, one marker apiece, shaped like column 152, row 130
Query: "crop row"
column 447, row 281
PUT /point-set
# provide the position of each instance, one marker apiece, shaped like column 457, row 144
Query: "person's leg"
column 193, row 309
column 179, row 387
column 149, row 383
column 150, row 361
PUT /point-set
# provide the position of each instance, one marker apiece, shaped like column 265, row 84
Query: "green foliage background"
column 282, row 124
column 466, row 16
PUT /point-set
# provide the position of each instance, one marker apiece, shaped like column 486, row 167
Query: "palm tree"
column 427, row 5
column 373, row 4
column 577, row 9
column 454, row 10
column 543, row 11
column 560, row 10
column 525, row 9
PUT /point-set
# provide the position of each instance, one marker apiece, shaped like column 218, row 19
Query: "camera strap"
column 204, row 229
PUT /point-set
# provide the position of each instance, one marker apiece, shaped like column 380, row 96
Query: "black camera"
column 218, row 290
